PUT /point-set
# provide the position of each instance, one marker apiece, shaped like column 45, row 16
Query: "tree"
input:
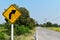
column 49, row 24
column 55, row 25
column 37, row 23
column 31, row 23
column 58, row 25
column 25, row 15
column 24, row 19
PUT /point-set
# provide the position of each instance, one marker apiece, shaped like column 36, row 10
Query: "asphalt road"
column 45, row 34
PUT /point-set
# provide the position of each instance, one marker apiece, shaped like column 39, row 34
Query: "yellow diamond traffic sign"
column 12, row 14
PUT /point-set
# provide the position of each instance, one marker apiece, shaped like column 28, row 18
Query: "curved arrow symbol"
column 13, row 12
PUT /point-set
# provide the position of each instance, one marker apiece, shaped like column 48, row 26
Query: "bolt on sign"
column 12, row 14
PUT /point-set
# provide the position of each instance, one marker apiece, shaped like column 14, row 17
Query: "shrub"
column 21, row 30
column 8, row 27
column 2, row 36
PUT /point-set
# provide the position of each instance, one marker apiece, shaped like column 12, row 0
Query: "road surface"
column 45, row 34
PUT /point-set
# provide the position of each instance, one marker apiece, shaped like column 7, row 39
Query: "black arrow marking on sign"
column 13, row 12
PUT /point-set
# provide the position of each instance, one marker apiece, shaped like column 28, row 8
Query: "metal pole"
column 12, row 34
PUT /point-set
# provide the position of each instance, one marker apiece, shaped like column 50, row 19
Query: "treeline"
column 49, row 24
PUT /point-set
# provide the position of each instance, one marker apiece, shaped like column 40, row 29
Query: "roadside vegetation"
column 24, row 27
column 54, row 28
column 51, row 26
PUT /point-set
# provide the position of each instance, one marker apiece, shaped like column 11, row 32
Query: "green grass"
column 26, row 36
column 2, row 29
column 54, row 28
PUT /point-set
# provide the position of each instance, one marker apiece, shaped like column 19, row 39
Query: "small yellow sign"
column 12, row 14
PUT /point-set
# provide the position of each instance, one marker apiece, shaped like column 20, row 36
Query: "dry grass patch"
column 54, row 28
column 26, row 36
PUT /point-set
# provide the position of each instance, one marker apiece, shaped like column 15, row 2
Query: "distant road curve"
column 45, row 34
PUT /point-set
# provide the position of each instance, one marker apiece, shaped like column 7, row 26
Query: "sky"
column 40, row 10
